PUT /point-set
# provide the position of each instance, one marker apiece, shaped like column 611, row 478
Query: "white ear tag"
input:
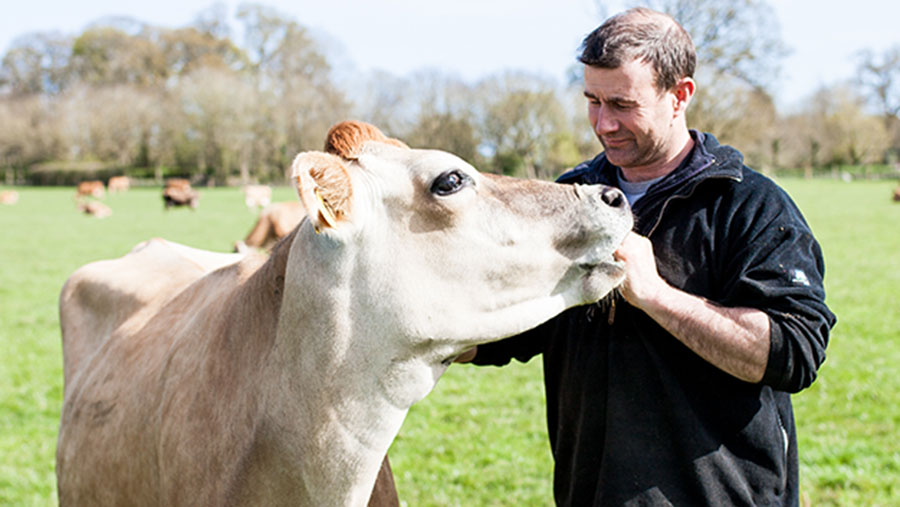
column 325, row 210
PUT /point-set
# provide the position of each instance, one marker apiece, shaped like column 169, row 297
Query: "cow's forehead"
column 419, row 162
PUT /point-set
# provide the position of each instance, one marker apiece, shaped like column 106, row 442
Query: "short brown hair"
column 644, row 34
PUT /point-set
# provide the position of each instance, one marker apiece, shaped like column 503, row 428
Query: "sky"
column 475, row 38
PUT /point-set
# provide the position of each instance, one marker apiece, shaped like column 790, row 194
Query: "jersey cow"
column 179, row 192
column 276, row 221
column 257, row 196
column 198, row 378
column 118, row 184
column 91, row 188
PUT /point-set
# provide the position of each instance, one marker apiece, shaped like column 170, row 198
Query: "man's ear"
column 682, row 93
column 324, row 187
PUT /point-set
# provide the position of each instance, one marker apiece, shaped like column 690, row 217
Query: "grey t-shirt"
column 634, row 191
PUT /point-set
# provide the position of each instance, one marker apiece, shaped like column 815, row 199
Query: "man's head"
column 638, row 81
column 645, row 35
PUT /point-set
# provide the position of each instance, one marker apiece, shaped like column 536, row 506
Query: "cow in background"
column 118, row 184
column 178, row 192
column 9, row 197
column 93, row 208
column 897, row 194
column 257, row 196
column 91, row 188
column 274, row 222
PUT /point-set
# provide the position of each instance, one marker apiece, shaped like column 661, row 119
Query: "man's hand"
column 642, row 281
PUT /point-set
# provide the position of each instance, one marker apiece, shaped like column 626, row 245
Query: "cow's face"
column 444, row 257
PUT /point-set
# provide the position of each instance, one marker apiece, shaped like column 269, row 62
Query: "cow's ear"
column 345, row 139
column 324, row 187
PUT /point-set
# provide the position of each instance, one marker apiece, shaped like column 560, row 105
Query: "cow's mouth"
column 601, row 278
column 612, row 267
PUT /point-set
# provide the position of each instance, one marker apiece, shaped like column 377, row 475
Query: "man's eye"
column 450, row 182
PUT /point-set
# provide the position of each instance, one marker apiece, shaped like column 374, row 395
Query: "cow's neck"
column 346, row 393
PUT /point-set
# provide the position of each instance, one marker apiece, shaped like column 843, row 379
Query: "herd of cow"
column 177, row 192
column 275, row 220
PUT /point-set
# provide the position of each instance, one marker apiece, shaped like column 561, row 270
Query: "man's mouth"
column 615, row 143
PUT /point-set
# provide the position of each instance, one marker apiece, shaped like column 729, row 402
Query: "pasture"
column 479, row 438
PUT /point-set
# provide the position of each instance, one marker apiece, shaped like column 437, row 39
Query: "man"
column 677, row 390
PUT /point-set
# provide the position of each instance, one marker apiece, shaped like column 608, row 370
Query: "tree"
column 834, row 129
column 188, row 49
column 29, row 132
column 879, row 77
column 218, row 107
column 739, row 116
column 279, row 49
column 385, row 100
column 106, row 55
column 294, row 80
column 522, row 119
column 443, row 115
column 213, row 21
column 736, row 38
column 36, row 63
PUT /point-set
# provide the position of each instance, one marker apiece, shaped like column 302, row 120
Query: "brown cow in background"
column 897, row 194
column 178, row 192
column 118, row 184
column 275, row 222
column 91, row 188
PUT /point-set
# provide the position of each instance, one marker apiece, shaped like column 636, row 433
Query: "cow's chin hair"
column 602, row 280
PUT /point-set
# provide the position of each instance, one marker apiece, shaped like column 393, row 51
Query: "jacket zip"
column 685, row 196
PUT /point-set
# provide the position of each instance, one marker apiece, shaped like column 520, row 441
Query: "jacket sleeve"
column 521, row 347
column 779, row 269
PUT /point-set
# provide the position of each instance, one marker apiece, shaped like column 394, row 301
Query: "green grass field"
column 479, row 438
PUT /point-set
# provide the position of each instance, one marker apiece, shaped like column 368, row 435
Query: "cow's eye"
column 450, row 182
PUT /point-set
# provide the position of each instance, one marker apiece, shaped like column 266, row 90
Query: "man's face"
column 631, row 118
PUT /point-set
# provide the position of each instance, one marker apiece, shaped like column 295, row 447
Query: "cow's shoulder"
column 106, row 296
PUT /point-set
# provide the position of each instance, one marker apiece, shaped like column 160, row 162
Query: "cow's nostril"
column 613, row 197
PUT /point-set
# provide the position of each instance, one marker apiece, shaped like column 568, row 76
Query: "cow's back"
column 102, row 296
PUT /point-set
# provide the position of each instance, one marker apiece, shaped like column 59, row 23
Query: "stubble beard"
column 633, row 155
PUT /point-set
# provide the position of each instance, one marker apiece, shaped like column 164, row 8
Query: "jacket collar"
column 708, row 159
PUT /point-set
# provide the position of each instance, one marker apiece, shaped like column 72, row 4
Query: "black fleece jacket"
column 637, row 418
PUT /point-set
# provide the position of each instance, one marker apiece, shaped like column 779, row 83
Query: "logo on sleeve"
column 798, row 277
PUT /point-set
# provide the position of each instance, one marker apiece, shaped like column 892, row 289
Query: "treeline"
column 126, row 97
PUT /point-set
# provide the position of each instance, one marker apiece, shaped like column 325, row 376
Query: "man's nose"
column 603, row 122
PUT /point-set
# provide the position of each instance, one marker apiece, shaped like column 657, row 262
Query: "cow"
column 178, row 192
column 118, row 184
column 90, row 188
column 9, row 197
column 897, row 194
column 93, row 208
column 204, row 378
column 274, row 222
column 257, row 196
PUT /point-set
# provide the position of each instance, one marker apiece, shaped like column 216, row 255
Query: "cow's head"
column 438, row 257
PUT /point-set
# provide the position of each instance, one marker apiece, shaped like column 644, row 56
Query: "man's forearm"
column 736, row 340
